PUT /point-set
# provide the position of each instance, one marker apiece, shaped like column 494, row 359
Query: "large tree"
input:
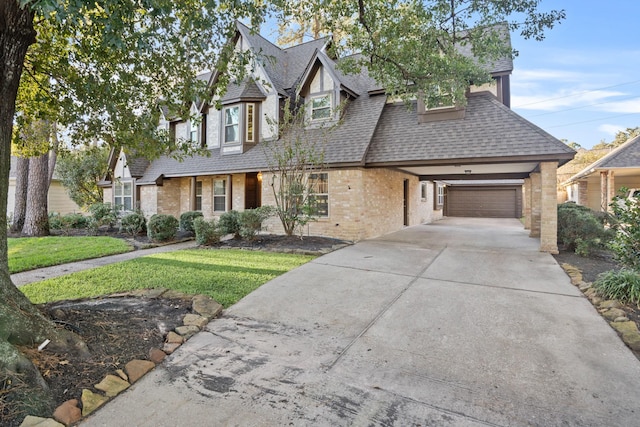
column 102, row 68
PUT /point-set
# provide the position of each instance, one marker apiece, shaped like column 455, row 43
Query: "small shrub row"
column 65, row 223
column 580, row 229
column 245, row 224
column 162, row 227
column 187, row 219
column 623, row 285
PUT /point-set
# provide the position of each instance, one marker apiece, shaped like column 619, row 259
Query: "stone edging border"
column 611, row 310
column 69, row 413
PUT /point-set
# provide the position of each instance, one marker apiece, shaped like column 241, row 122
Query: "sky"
column 582, row 83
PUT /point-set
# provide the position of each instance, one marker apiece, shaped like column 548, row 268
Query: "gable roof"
column 489, row 130
column 625, row 156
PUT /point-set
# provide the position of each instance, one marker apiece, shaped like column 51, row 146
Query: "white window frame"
column 313, row 109
column 250, row 125
column 314, row 193
column 121, row 185
column 225, row 125
column 220, row 196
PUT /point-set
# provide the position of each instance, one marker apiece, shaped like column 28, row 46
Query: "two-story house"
column 386, row 165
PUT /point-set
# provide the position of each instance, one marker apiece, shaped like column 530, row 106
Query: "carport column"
column 549, row 207
column 536, row 193
column 604, row 191
column 611, row 189
column 526, row 197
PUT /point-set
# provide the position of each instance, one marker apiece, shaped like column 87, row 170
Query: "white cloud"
column 610, row 129
column 622, row 106
column 563, row 99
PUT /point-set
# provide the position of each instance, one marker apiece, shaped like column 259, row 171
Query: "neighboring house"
column 58, row 198
column 597, row 184
column 387, row 165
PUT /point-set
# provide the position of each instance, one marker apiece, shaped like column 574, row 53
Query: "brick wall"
column 363, row 203
column 149, row 200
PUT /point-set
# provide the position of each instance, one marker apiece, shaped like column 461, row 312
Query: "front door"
column 252, row 191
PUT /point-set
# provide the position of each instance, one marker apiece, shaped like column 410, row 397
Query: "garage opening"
column 482, row 201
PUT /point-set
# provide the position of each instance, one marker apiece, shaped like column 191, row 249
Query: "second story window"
column 231, row 124
column 321, row 107
column 250, row 119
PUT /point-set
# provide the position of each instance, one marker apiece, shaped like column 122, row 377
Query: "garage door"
column 485, row 202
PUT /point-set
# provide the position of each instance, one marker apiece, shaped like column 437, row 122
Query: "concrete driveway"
column 457, row 323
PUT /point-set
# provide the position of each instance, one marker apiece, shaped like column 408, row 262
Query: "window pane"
column 118, row 190
column 321, row 107
column 321, row 205
column 220, row 187
column 231, row 116
column 249, row 122
column 199, row 188
column 231, row 133
column 126, row 189
column 219, row 203
column 127, row 203
column 117, row 201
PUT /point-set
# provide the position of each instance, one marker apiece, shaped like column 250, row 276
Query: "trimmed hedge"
column 133, row 224
column 162, row 227
column 580, row 230
column 207, row 232
column 187, row 218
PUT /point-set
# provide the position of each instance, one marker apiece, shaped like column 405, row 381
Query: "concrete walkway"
column 20, row 279
column 456, row 323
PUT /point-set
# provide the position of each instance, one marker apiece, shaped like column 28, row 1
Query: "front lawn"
column 27, row 253
column 224, row 275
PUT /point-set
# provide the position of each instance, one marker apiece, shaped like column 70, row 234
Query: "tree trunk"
column 20, row 207
column 20, row 321
column 36, row 221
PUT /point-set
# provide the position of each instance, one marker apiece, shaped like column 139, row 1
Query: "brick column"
column 611, row 189
column 526, row 201
column 536, row 193
column 549, row 207
column 583, row 198
column 603, row 190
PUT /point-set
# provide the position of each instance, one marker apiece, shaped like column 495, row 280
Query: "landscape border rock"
column 611, row 310
column 70, row 413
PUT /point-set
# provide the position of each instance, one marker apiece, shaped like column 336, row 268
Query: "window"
column 123, row 195
column 220, row 195
column 193, row 133
column 231, row 124
column 198, row 195
column 319, row 194
column 321, row 107
column 439, row 199
column 423, row 190
column 250, row 120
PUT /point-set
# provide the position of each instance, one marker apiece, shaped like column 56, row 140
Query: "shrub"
column 229, row 223
column 207, row 232
column 623, row 285
column 162, row 227
column 102, row 214
column 66, row 223
column 187, row 218
column 133, row 223
column 626, row 223
column 251, row 221
column 580, row 230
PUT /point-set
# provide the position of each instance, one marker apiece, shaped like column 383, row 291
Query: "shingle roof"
column 245, row 90
column 343, row 144
column 498, row 66
column 625, row 156
column 489, row 130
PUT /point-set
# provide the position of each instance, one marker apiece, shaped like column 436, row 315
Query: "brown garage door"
column 486, row 202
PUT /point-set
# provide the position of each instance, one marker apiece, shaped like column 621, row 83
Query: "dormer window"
column 250, row 123
column 321, row 107
column 231, row 124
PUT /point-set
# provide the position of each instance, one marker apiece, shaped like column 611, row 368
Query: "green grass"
column 27, row 253
column 224, row 275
